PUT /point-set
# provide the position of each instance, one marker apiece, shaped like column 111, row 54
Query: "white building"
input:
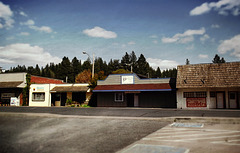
column 57, row 94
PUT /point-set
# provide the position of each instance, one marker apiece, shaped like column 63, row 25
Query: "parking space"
column 194, row 137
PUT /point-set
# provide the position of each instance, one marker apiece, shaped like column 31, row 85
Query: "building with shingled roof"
column 208, row 85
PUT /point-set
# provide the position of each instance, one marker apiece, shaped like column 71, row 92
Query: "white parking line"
column 228, row 142
column 216, row 133
column 172, row 132
column 186, row 140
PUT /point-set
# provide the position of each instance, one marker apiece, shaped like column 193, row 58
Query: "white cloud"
column 131, row 43
column 162, row 64
column 28, row 23
column 215, row 26
column 230, row 45
column 123, row 45
column 204, row 37
column 204, row 8
column 31, row 25
column 25, row 54
column 190, row 47
column 42, row 29
column 223, row 7
column 203, row 56
column 170, row 40
column 24, row 34
column 10, row 38
column 6, row 14
column 185, row 37
column 100, row 33
column 155, row 41
column 153, row 36
column 23, row 13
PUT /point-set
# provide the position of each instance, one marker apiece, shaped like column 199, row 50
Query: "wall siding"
column 116, row 80
column 107, row 100
column 158, row 99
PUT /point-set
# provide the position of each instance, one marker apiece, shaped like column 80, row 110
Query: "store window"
column 38, row 97
column 119, row 97
column 232, row 95
column 7, row 95
column 212, row 94
column 195, row 94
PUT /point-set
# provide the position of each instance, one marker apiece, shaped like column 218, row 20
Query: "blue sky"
column 165, row 32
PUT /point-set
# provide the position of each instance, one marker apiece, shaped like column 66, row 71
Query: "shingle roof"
column 209, row 75
column 44, row 80
column 133, row 87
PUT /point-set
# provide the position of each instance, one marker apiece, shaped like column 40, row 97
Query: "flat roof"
column 10, row 84
column 69, row 89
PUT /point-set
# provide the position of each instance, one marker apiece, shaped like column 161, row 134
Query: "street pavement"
column 125, row 112
column 122, row 130
column 53, row 133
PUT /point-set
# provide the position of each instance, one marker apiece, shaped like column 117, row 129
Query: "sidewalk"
column 190, row 137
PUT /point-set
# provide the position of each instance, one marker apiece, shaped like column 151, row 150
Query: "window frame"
column 198, row 94
column 39, row 100
column 117, row 97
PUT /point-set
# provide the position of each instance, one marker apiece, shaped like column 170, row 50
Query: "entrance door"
column 136, row 100
column 220, row 100
column 233, row 100
column 130, row 100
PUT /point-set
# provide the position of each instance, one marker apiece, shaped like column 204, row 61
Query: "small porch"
column 66, row 95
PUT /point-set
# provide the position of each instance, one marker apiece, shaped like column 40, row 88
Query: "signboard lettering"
column 127, row 79
column 14, row 101
column 7, row 95
column 196, row 102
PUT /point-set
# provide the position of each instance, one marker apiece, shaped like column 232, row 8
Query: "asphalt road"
column 125, row 112
column 67, row 134
column 66, row 129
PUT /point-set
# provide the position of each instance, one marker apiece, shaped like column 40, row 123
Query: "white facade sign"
column 14, row 101
column 127, row 79
column 39, row 89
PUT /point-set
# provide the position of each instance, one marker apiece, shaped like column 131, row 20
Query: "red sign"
column 196, row 102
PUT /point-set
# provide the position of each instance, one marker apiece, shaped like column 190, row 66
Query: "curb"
column 181, row 119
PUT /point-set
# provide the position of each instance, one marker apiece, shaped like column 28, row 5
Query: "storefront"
column 57, row 94
column 12, row 84
column 128, row 90
column 205, row 86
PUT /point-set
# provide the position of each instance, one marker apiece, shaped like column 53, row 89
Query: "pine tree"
column 125, row 62
column 66, row 70
column 133, row 61
column 86, row 65
column 110, row 67
column 217, row 59
column 76, row 65
column 143, row 66
column 37, row 71
column 158, row 73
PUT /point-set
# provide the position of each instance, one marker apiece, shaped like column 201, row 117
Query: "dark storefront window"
column 195, row 94
column 38, row 96
column 212, row 94
column 119, row 97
